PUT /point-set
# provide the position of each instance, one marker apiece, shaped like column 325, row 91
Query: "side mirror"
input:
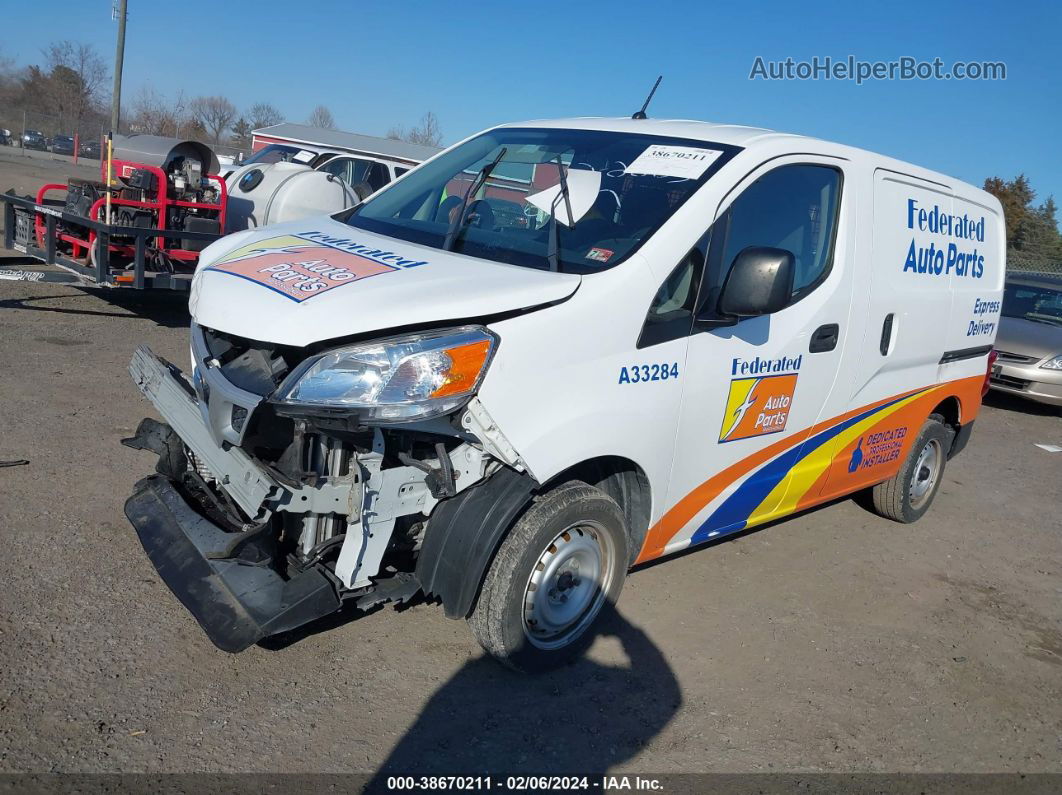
column 760, row 282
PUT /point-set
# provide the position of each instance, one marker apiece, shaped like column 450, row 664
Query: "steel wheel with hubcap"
column 567, row 586
column 907, row 495
column 562, row 562
column 927, row 468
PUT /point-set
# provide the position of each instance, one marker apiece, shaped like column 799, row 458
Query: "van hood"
column 317, row 279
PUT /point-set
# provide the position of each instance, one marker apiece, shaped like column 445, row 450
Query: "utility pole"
column 119, row 57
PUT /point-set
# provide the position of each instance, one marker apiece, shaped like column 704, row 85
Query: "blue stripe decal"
column 733, row 514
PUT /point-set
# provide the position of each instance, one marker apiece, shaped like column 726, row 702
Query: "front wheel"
column 562, row 562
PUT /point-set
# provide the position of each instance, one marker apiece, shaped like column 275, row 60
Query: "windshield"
column 1038, row 304
column 617, row 190
column 274, row 153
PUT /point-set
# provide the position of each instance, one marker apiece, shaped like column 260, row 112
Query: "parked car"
column 90, row 149
column 5, row 137
column 62, row 145
column 708, row 330
column 34, row 139
column 1029, row 343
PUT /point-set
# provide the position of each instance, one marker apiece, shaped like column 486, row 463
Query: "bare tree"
column 262, row 114
column 181, row 113
column 77, row 76
column 396, row 133
column 8, row 81
column 322, row 117
column 427, row 133
column 214, row 114
column 152, row 114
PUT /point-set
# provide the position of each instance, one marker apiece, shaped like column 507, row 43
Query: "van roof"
column 735, row 134
column 738, row 135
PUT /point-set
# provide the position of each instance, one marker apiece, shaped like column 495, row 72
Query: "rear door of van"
column 929, row 257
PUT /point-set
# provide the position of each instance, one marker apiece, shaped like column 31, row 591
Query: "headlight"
column 412, row 377
column 1053, row 364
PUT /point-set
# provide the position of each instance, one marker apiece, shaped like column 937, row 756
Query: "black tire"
column 908, row 495
column 508, row 621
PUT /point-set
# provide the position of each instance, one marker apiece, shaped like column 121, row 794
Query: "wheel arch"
column 625, row 482
column 464, row 532
column 950, row 410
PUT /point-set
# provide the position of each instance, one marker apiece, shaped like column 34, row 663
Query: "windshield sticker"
column 687, row 162
column 583, row 187
column 599, row 254
column 302, row 266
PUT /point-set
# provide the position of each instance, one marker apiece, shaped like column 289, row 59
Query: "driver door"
column 754, row 388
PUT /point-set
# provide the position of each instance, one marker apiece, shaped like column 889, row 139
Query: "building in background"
column 290, row 134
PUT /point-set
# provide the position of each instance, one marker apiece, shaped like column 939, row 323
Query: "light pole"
column 119, row 57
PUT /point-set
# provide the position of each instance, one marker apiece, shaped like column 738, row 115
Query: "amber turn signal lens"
column 468, row 361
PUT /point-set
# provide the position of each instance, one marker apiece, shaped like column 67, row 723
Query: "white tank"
column 278, row 192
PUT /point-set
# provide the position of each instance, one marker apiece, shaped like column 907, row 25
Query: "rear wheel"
column 563, row 561
column 908, row 495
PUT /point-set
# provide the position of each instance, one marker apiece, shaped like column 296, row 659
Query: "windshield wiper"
column 1050, row 320
column 458, row 222
column 553, row 251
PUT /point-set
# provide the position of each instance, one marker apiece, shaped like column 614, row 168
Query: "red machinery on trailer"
column 144, row 227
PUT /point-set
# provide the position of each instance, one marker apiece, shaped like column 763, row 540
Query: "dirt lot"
column 832, row 641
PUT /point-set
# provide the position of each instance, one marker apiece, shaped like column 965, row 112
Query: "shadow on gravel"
column 582, row 719
column 1009, row 402
column 167, row 309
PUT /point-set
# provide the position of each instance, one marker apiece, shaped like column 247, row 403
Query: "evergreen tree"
column 1033, row 237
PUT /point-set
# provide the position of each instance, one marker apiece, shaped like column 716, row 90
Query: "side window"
column 792, row 208
column 377, row 176
column 670, row 314
column 338, row 167
column 353, row 170
column 400, row 171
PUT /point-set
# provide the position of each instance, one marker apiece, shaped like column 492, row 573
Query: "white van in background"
column 277, row 185
column 554, row 351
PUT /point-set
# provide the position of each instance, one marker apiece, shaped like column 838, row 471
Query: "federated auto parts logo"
column 308, row 264
column 759, row 405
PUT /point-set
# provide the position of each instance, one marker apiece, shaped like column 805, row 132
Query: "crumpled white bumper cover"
column 226, row 582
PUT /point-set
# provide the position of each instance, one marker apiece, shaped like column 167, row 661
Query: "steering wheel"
column 480, row 214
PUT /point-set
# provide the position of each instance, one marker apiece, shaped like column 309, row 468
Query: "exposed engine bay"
column 316, row 497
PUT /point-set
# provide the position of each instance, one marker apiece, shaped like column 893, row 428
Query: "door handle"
column 886, row 335
column 825, row 338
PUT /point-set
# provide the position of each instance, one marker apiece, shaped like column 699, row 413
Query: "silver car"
column 1029, row 343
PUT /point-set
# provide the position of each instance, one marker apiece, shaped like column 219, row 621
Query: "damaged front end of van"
column 270, row 507
column 297, row 473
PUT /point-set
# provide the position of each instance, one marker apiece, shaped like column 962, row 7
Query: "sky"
column 380, row 64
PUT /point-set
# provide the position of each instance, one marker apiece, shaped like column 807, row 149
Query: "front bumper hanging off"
column 229, row 581
column 235, row 594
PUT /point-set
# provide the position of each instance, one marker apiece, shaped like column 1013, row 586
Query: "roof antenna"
column 641, row 114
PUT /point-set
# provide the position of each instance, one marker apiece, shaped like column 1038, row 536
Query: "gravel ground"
column 834, row 641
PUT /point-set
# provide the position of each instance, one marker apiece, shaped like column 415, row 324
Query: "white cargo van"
column 555, row 351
